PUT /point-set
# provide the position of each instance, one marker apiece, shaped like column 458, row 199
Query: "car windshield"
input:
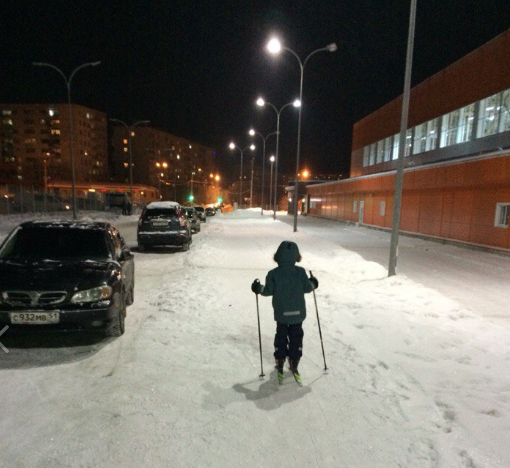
column 160, row 213
column 56, row 243
column 199, row 208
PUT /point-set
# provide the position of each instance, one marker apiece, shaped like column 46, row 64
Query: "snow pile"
column 414, row 380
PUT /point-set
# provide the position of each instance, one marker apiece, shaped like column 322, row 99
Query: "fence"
column 20, row 199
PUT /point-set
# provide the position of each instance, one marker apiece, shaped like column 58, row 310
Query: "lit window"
column 504, row 121
column 126, row 164
column 132, row 133
column 366, row 156
column 488, row 116
column 51, row 112
column 502, row 215
column 125, row 150
column 6, row 112
column 89, row 116
column 125, row 141
column 55, row 131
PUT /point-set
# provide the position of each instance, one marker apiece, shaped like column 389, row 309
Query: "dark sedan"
column 65, row 276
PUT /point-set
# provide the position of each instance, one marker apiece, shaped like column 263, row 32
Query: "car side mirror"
column 125, row 254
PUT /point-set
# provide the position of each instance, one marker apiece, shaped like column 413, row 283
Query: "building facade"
column 35, row 144
column 177, row 166
column 457, row 158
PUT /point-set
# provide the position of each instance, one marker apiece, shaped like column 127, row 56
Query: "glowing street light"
column 252, row 132
column 262, row 103
column 274, row 47
column 233, row 146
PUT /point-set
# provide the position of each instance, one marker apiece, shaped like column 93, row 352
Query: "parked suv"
column 163, row 223
column 66, row 275
column 201, row 213
column 194, row 220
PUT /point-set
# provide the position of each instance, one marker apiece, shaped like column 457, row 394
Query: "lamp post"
column 274, row 47
column 71, row 152
column 261, row 103
column 252, row 132
column 271, row 159
column 399, row 178
column 233, row 146
column 130, row 131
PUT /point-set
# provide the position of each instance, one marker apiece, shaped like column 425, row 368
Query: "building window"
column 380, row 152
column 504, row 121
column 387, row 149
column 373, row 151
column 409, row 142
column 488, row 118
column 382, row 208
column 420, row 138
column 502, row 214
column 396, row 142
column 366, row 156
column 355, row 207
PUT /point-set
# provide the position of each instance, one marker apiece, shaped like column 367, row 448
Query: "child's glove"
column 256, row 286
column 314, row 281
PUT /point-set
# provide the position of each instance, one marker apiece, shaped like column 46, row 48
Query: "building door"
column 361, row 209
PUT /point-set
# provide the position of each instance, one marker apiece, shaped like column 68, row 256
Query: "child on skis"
column 287, row 284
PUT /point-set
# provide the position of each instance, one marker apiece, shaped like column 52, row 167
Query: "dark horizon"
column 195, row 70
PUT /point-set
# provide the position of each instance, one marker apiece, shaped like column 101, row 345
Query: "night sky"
column 196, row 68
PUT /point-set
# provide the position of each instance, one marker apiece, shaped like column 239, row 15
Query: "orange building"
column 457, row 158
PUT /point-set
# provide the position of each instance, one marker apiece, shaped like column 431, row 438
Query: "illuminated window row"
column 477, row 120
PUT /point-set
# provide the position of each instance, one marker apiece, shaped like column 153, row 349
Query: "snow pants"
column 288, row 341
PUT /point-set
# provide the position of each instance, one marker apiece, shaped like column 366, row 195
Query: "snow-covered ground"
column 415, row 380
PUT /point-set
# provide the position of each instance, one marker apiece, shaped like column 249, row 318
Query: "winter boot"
column 279, row 367
column 293, row 364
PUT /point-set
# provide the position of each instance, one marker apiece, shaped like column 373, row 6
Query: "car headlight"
column 92, row 295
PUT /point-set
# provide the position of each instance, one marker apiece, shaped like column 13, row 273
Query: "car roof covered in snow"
column 162, row 204
column 66, row 224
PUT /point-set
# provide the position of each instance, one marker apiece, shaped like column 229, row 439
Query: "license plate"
column 160, row 223
column 34, row 318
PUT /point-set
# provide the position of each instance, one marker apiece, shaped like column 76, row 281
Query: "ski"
column 297, row 377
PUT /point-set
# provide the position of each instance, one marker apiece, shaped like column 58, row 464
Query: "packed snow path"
column 415, row 380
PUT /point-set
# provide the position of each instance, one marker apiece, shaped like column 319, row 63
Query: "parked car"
column 163, row 223
column 201, row 213
column 68, row 275
column 194, row 220
column 210, row 211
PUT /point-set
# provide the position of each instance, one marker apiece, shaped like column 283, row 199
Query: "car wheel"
column 118, row 325
column 185, row 246
column 131, row 296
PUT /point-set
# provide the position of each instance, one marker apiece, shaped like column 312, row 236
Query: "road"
column 478, row 280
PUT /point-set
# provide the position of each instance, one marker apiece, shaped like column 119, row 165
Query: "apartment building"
column 35, row 144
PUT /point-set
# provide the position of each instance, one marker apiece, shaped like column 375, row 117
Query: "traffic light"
column 191, row 197
column 220, row 199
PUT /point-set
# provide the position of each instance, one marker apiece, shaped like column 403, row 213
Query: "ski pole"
column 319, row 323
column 260, row 338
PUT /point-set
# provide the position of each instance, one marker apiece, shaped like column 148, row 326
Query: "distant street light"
column 274, row 46
column 233, row 146
column 252, row 132
column 130, row 131
column 71, row 149
column 262, row 103
column 272, row 159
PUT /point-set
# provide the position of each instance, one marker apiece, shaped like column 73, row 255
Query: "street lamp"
column 262, row 103
column 233, row 146
column 274, row 46
column 130, row 131
column 271, row 159
column 71, row 152
column 252, row 132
